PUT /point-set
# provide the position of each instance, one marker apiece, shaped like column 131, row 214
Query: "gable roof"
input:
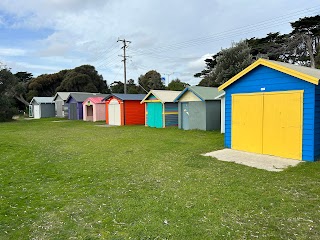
column 163, row 95
column 304, row 73
column 222, row 95
column 204, row 93
column 63, row 95
column 81, row 96
column 95, row 100
column 124, row 97
column 40, row 100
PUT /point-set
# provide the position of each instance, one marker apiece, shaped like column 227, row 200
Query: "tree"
column 83, row 79
column 177, row 85
column 207, row 73
column 232, row 61
column 16, row 89
column 7, row 83
column 45, row 85
column 272, row 46
column 307, row 31
column 117, row 87
column 132, row 88
column 24, row 76
column 225, row 64
column 80, row 79
column 151, row 80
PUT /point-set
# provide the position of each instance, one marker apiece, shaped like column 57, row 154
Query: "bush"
column 7, row 109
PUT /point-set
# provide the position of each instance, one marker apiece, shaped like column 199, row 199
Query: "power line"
column 116, row 75
column 228, row 33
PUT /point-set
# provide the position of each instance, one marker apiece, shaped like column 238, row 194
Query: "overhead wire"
column 228, row 33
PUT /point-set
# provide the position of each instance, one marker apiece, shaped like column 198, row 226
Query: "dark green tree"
column 132, row 88
column 225, row 64
column 117, row 87
column 273, row 46
column 24, row 76
column 177, row 85
column 83, row 79
column 44, row 85
column 7, row 84
column 151, row 80
column 306, row 32
column 206, row 74
column 232, row 61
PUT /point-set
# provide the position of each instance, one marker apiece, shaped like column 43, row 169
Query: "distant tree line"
column 301, row 46
column 149, row 81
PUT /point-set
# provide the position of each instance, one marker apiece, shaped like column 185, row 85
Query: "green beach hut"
column 161, row 111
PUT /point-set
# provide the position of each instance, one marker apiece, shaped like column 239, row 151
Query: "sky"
column 172, row 37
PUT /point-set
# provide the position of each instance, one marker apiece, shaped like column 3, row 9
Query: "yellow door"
column 268, row 123
column 247, row 122
column 282, row 124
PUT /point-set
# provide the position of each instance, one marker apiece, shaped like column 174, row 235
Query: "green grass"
column 74, row 180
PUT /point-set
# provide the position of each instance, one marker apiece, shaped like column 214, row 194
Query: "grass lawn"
column 74, row 180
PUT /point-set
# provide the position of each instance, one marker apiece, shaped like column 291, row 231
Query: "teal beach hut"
column 161, row 111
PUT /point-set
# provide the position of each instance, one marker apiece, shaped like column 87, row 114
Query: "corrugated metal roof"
column 306, row 70
column 81, row 96
column 40, row 100
column 163, row 95
column 124, row 97
column 204, row 93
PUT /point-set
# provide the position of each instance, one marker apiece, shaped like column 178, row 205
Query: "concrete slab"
column 106, row 125
column 260, row 161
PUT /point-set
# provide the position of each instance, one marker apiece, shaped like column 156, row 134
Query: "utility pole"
column 168, row 74
column 124, row 61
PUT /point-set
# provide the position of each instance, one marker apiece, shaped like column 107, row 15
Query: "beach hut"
column 61, row 107
column 273, row 108
column 74, row 101
column 94, row 109
column 161, row 111
column 41, row 107
column 124, row 109
column 198, row 108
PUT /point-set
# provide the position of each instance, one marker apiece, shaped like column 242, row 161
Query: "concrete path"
column 106, row 125
column 266, row 162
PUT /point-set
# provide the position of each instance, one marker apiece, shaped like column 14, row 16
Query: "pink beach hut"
column 94, row 109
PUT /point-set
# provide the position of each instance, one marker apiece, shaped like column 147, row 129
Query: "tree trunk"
column 21, row 99
column 309, row 46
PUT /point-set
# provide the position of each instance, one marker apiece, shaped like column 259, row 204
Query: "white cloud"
column 12, row 52
column 164, row 33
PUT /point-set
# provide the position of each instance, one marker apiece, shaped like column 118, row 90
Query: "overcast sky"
column 169, row 36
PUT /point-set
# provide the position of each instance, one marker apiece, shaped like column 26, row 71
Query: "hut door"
column 59, row 108
column 73, row 111
column 154, row 115
column 282, row 124
column 89, row 116
column 185, row 115
column 36, row 111
column 247, row 122
column 269, row 123
column 114, row 113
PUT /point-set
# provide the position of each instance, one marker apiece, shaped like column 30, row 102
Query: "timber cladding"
column 274, row 110
column 125, row 109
